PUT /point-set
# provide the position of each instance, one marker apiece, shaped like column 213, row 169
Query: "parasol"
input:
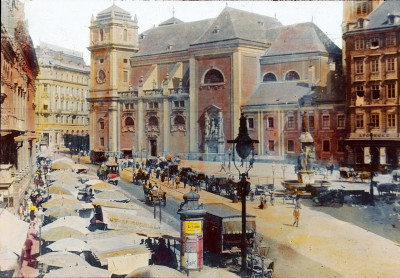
column 79, row 272
column 69, row 244
column 62, row 259
column 58, row 233
column 155, row 271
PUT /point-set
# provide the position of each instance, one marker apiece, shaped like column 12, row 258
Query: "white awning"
column 13, row 232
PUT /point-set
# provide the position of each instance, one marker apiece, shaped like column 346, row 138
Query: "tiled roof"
column 301, row 38
column 170, row 38
column 379, row 17
column 114, row 8
column 238, row 24
column 172, row 20
column 118, row 13
column 271, row 93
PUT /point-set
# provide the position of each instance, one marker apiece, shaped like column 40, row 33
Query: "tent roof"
column 13, row 232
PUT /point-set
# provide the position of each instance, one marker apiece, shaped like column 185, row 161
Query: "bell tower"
column 113, row 40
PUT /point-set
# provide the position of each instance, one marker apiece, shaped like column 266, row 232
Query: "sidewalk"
column 31, row 269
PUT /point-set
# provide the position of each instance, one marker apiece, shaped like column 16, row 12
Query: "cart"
column 154, row 195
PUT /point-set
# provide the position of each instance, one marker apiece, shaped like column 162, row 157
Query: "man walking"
column 296, row 214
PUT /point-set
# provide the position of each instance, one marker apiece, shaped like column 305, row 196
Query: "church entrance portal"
column 153, row 147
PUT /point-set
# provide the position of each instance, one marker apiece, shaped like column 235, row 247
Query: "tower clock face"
column 101, row 76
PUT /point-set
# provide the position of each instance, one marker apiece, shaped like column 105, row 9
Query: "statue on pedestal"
column 307, row 155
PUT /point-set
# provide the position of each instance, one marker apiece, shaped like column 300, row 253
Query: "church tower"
column 113, row 40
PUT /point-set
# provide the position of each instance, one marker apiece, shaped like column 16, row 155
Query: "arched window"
column 292, row 75
column 269, row 77
column 153, row 121
column 213, row 76
column 101, row 34
column 129, row 121
column 101, row 124
column 179, row 120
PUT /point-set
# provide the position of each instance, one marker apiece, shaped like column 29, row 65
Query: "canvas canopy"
column 13, row 232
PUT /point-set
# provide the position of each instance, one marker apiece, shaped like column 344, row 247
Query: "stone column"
column 118, row 120
column 112, row 130
column 382, row 155
column 260, row 121
column 193, row 108
column 166, row 128
column 140, row 124
column 236, row 93
column 367, row 155
column 281, row 133
column 92, row 131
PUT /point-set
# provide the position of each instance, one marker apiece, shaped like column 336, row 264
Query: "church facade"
column 180, row 87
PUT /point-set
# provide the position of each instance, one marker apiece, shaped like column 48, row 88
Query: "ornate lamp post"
column 244, row 147
column 229, row 163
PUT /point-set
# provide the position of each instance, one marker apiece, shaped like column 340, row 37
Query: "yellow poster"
column 193, row 227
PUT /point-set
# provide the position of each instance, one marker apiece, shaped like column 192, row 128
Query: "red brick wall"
column 220, row 97
column 249, row 78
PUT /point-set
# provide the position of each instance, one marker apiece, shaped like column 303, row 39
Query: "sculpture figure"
column 301, row 161
column 206, row 124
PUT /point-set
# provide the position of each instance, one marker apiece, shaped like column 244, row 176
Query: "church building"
column 180, row 87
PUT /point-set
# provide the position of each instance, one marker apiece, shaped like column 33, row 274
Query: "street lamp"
column 273, row 174
column 244, row 146
column 229, row 163
column 371, row 186
column 283, row 171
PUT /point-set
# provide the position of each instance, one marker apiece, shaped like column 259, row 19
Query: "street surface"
column 348, row 241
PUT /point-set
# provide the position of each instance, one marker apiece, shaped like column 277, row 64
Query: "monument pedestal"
column 306, row 177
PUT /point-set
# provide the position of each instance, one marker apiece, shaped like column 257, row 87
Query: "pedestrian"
column 32, row 212
column 158, row 172
column 296, row 214
column 177, row 181
column 272, row 199
column 163, row 176
column 184, row 179
column 235, row 196
column 261, row 206
column 28, row 249
column 251, row 195
column 21, row 211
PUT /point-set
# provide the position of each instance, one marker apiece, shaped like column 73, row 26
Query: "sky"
column 65, row 23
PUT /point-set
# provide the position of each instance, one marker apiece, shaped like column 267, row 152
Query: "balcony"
column 154, row 92
column 177, row 91
column 9, row 122
column 359, row 77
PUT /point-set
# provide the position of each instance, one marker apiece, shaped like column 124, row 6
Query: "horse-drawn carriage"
column 349, row 174
column 223, row 185
column 154, row 195
column 139, row 176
